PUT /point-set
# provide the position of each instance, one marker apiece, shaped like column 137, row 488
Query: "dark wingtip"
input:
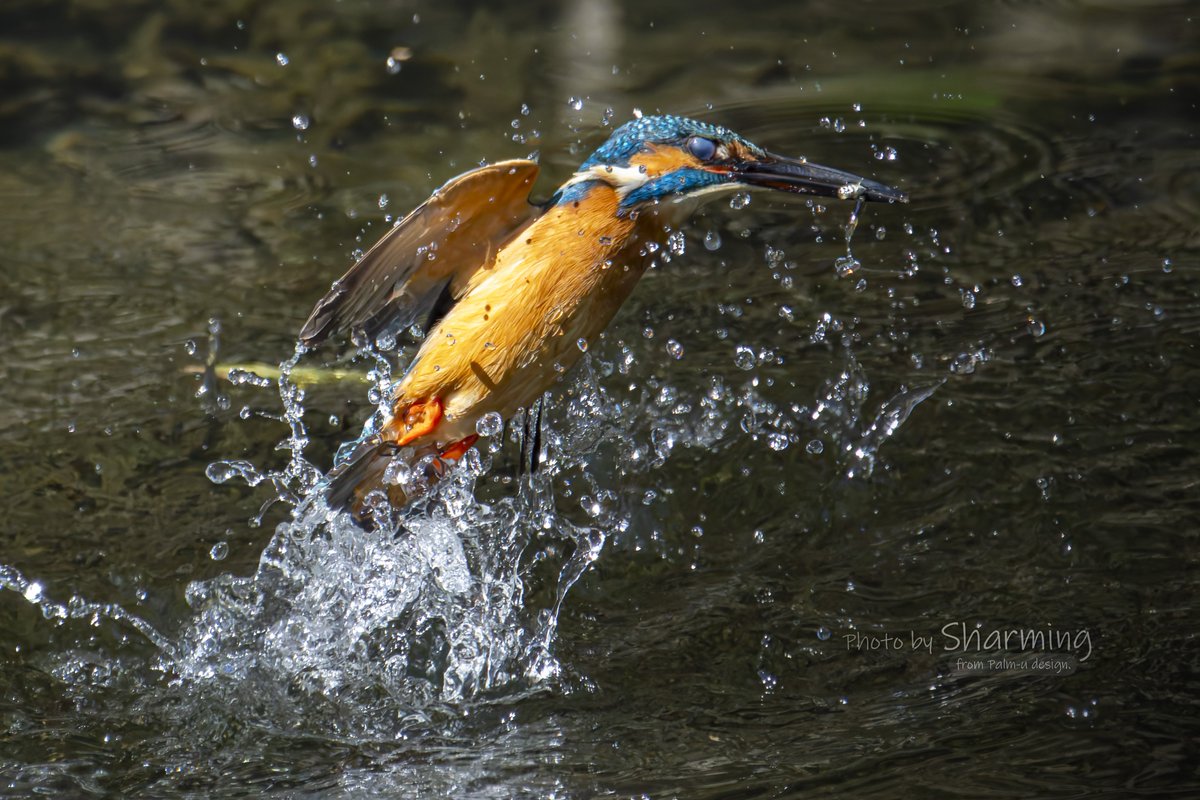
column 315, row 332
column 321, row 323
column 352, row 479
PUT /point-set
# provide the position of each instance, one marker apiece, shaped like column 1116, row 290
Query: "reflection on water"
column 984, row 420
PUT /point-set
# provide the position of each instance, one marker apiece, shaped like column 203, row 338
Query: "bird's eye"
column 702, row 148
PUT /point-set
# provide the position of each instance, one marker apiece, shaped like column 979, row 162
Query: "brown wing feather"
column 461, row 225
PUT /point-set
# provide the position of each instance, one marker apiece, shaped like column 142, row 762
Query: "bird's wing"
column 428, row 256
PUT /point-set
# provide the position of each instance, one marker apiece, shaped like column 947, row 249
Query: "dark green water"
column 991, row 423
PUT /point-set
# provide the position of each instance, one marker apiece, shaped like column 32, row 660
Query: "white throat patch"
column 623, row 179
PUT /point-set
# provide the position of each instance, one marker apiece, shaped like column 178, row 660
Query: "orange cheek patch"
column 661, row 159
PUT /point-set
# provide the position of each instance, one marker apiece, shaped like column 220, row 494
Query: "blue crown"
column 628, row 139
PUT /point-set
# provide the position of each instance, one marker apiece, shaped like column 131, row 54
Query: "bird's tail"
column 401, row 468
column 364, row 472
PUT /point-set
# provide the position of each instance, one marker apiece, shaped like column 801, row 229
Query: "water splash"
column 429, row 611
column 430, row 607
column 369, row 630
column 77, row 608
column 847, row 264
column 891, row 416
column 458, row 598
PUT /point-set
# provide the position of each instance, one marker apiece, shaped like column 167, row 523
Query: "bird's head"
column 666, row 158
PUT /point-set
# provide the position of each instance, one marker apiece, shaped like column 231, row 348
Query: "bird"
column 505, row 289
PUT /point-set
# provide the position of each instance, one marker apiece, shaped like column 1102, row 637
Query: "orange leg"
column 420, row 419
column 456, row 450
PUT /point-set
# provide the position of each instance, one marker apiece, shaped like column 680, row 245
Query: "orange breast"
column 517, row 327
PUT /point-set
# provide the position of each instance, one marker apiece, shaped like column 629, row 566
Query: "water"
column 986, row 422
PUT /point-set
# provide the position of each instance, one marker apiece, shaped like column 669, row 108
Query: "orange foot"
column 455, row 451
column 420, row 419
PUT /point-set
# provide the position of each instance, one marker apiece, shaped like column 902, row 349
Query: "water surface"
column 765, row 467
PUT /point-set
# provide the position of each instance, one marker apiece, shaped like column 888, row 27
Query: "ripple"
column 956, row 149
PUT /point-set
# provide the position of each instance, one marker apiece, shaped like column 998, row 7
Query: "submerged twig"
column 301, row 376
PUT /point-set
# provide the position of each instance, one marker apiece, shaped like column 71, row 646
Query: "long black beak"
column 800, row 176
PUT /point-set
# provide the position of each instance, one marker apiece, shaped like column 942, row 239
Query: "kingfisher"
column 505, row 289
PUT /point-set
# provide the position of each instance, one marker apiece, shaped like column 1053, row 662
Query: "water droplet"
column 224, row 471
column 490, row 424
column 676, row 243
column 845, row 265
column 383, row 200
column 744, row 357
column 778, row 441
column 1017, row 280
column 674, row 349
column 1045, row 485
column 712, row 240
column 576, row 103
column 965, row 363
column 33, row 592
column 824, row 634
column 1167, row 266
column 815, row 447
column 839, row 125
column 739, row 200
column 582, row 344
column 385, row 342
column 189, row 347
column 968, row 299
column 396, row 58
column 219, row 551
column 1035, row 326
column 300, row 122
column 241, row 377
